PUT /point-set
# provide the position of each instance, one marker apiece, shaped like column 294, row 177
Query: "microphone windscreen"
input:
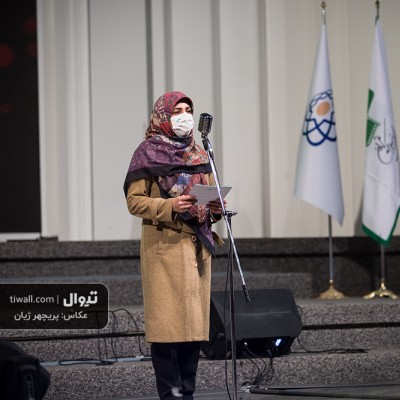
column 205, row 123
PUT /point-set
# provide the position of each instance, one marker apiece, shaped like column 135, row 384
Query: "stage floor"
column 373, row 391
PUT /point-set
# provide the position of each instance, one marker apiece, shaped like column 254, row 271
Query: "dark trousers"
column 175, row 366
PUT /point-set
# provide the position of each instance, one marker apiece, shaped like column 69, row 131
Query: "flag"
column 381, row 197
column 318, row 173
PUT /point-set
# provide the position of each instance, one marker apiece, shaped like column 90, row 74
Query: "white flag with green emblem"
column 318, row 174
column 381, row 198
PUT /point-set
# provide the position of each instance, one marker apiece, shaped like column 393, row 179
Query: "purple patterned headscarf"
column 176, row 163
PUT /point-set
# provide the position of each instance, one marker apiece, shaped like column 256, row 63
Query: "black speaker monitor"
column 21, row 376
column 267, row 326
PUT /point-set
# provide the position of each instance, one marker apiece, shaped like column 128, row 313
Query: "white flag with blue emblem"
column 381, row 199
column 318, row 173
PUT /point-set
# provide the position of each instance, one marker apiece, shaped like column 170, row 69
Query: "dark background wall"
column 19, row 122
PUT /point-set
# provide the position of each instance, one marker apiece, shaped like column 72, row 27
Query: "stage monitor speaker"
column 267, row 326
column 21, row 376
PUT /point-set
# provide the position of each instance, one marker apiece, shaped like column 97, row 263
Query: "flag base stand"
column 382, row 292
column 331, row 293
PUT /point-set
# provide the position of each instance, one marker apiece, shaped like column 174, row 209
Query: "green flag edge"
column 378, row 239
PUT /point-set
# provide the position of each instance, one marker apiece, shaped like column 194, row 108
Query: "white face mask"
column 182, row 124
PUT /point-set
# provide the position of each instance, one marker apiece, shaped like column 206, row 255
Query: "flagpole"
column 382, row 291
column 323, row 12
column 331, row 293
column 317, row 184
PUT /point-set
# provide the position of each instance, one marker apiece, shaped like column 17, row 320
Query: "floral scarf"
column 176, row 163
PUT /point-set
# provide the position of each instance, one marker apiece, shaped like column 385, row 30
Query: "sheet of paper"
column 205, row 194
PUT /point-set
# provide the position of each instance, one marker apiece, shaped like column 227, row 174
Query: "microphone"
column 205, row 123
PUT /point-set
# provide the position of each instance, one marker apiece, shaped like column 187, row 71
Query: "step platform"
column 344, row 341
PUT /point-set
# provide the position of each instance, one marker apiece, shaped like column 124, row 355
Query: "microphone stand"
column 232, row 251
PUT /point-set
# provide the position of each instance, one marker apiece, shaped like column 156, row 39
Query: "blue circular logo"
column 319, row 122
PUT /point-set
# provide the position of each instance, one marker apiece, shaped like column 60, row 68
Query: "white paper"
column 205, row 194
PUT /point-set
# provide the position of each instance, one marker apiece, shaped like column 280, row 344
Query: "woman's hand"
column 215, row 206
column 182, row 204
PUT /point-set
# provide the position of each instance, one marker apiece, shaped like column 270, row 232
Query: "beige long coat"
column 175, row 267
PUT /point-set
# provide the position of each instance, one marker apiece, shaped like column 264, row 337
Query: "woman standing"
column 177, row 242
